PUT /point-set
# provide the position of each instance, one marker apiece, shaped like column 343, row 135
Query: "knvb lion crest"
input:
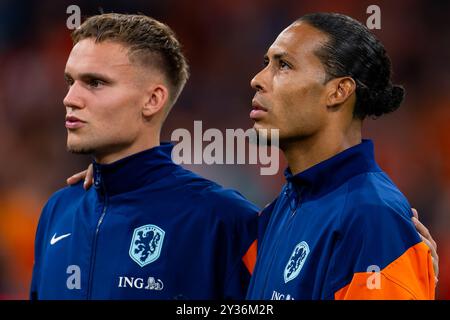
column 296, row 261
column 146, row 244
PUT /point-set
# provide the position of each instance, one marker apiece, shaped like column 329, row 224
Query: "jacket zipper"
column 94, row 247
column 277, row 245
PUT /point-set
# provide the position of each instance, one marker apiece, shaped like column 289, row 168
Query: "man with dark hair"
column 340, row 228
column 149, row 229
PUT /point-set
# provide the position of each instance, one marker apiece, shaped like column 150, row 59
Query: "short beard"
column 80, row 150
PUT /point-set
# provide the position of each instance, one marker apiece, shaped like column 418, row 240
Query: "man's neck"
column 303, row 154
column 120, row 153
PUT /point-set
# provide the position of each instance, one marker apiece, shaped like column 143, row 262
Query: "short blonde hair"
column 150, row 43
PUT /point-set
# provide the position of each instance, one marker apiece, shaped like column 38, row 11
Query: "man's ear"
column 339, row 90
column 156, row 100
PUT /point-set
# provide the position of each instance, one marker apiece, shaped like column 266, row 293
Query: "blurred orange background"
column 225, row 41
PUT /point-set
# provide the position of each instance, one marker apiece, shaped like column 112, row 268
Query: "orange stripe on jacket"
column 249, row 257
column 411, row 276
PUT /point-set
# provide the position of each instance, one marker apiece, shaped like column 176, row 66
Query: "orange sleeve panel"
column 249, row 258
column 411, row 276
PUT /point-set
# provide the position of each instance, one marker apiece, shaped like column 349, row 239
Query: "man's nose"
column 73, row 97
column 257, row 82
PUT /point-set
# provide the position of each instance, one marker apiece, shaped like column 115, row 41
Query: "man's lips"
column 74, row 123
column 258, row 111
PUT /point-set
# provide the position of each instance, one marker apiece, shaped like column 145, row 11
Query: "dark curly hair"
column 352, row 50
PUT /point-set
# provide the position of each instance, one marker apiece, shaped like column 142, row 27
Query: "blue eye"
column 95, row 83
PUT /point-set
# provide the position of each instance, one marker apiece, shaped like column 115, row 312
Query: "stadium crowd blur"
column 225, row 41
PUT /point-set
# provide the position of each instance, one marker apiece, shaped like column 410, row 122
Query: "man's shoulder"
column 68, row 193
column 227, row 200
column 205, row 192
column 374, row 194
column 60, row 201
column 376, row 210
column 375, row 224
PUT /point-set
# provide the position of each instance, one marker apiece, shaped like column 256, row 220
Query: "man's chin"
column 262, row 129
column 267, row 135
column 79, row 150
column 258, row 126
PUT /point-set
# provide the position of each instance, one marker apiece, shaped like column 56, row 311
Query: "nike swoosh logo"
column 55, row 239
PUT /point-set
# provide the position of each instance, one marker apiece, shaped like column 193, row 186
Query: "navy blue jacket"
column 148, row 229
column 341, row 230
